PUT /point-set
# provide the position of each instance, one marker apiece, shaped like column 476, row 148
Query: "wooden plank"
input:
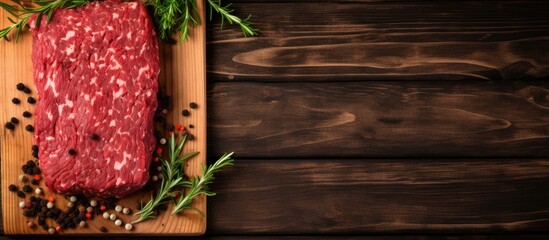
column 379, row 119
column 388, row 237
column 186, row 82
column 381, row 196
column 404, row 40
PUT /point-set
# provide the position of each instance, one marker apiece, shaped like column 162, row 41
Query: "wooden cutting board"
column 183, row 75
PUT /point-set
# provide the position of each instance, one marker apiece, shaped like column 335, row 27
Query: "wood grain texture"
column 403, row 40
column 183, row 74
column 379, row 119
column 381, row 196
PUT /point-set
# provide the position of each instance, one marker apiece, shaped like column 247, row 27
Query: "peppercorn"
column 12, row 188
column 37, row 177
column 34, row 182
column 35, row 148
column 31, row 100
column 10, row 125
column 103, row 229
column 193, row 105
column 191, row 126
column 51, row 230
column 72, row 152
column 27, row 114
column 185, row 113
column 29, row 128
column 23, row 178
column 21, row 194
column 14, row 120
column 27, row 189
column 30, row 164
column 20, row 86
column 128, row 226
column 35, row 154
column 36, row 170
column 15, row 100
column 95, row 137
column 27, row 90
column 190, row 137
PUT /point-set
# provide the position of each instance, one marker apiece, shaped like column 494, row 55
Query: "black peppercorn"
column 34, row 182
column 35, row 154
column 95, row 137
column 185, row 113
column 27, row 114
column 36, row 170
column 27, row 90
column 35, row 148
column 27, row 189
column 31, row 100
column 103, row 229
column 193, row 105
column 29, row 128
column 16, row 101
column 20, row 86
column 14, row 120
column 72, row 152
column 190, row 137
column 12, row 188
column 21, row 194
column 30, row 164
column 10, row 125
column 191, row 126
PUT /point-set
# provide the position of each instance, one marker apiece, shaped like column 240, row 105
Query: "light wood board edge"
column 183, row 71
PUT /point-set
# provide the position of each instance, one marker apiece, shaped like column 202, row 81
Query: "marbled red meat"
column 96, row 69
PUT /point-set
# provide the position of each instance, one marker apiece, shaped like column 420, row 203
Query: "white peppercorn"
column 128, row 226
column 72, row 198
column 93, row 203
column 22, row 204
column 70, row 204
column 106, row 215
column 89, row 209
column 23, row 178
column 82, row 223
column 126, row 210
column 38, row 191
column 49, row 205
column 51, row 230
column 162, row 141
column 118, row 208
column 112, row 216
column 118, row 222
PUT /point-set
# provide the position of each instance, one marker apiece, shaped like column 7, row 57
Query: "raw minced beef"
column 96, row 69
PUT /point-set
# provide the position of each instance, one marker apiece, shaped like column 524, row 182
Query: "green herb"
column 173, row 181
column 170, row 16
column 22, row 13
column 178, row 15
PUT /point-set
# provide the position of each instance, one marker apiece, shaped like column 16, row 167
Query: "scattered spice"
column 38, row 191
column 29, row 128
column 35, row 148
column 21, row 86
column 82, row 223
column 118, row 222
column 34, row 182
column 30, row 224
column 27, row 189
column 14, row 120
column 103, row 207
column 112, row 216
column 103, row 229
column 185, row 113
column 72, row 152
column 51, row 230
column 128, row 226
column 22, row 204
column 118, row 208
column 37, row 177
column 193, row 105
column 49, row 205
column 190, row 136
column 27, row 114
column 31, row 100
column 126, row 211
column 191, row 126
column 27, row 90
column 93, row 203
column 23, row 178
column 12, row 188
column 10, row 125
column 15, row 100
column 21, row 194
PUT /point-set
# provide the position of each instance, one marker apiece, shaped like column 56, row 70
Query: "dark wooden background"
column 392, row 119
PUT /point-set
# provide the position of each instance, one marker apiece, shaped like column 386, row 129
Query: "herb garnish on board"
column 170, row 16
column 174, row 182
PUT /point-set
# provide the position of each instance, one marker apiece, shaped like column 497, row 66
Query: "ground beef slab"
column 96, row 69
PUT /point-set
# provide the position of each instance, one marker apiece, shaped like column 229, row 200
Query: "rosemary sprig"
column 172, row 177
column 22, row 13
column 226, row 15
column 199, row 185
column 173, row 181
column 179, row 15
